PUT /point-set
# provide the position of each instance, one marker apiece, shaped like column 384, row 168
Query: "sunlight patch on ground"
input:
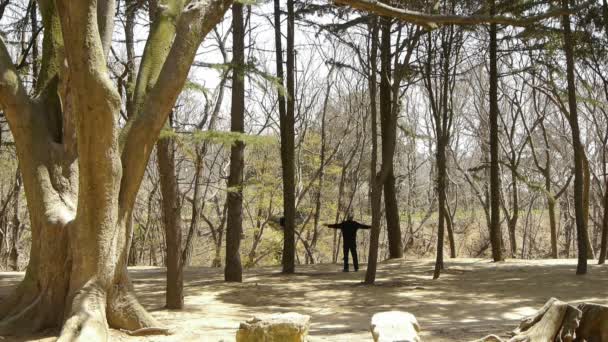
column 474, row 298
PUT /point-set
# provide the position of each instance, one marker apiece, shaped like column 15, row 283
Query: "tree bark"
column 322, row 157
column 512, row 221
column 604, row 238
column 234, row 225
column 81, row 171
column 388, row 124
column 579, row 152
column 376, row 178
column 287, row 134
column 495, row 232
column 15, row 225
column 171, row 213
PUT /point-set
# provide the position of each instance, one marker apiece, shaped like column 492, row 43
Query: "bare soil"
column 473, row 298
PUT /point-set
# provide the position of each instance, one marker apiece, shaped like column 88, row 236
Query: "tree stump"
column 594, row 323
column 562, row 322
column 287, row 327
column 393, row 326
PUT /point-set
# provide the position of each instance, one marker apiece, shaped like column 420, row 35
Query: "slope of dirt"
column 472, row 298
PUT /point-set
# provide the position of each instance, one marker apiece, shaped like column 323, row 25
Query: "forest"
column 155, row 152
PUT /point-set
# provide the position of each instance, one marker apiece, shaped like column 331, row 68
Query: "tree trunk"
column 495, row 233
column 318, row 197
column 234, row 225
column 375, row 178
column 388, row 124
column 441, row 182
column 171, row 213
column 16, row 225
column 80, row 179
column 604, row 239
column 579, row 152
column 586, row 200
column 515, row 216
column 286, row 113
column 449, row 224
column 553, row 227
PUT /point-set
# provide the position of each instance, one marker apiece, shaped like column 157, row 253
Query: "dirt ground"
column 472, row 298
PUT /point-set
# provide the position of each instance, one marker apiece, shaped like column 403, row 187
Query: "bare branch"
column 432, row 21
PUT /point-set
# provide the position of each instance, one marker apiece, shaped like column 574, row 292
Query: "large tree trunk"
column 171, row 213
column 80, row 179
column 234, row 225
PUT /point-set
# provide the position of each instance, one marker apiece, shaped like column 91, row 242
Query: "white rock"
column 286, row 327
column 395, row 326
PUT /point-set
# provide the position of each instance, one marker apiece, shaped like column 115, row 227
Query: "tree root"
column 126, row 313
column 147, row 332
column 24, row 318
column 87, row 318
column 29, row 309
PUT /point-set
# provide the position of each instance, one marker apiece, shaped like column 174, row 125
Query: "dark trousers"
column 352, row 247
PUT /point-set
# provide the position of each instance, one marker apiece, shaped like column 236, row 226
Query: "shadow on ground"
column 472, row 298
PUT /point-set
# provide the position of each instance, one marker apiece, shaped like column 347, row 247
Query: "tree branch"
column 432, row 21
column 195, row 22
column 13, row 95
column 105, row 19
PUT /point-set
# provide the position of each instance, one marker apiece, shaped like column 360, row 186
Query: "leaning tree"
column 82, row 169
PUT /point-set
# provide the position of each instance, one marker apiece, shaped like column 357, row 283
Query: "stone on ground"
column 285, row 327
column 393, row 326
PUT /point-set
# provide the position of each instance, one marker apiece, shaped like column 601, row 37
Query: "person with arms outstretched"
column 349, row 236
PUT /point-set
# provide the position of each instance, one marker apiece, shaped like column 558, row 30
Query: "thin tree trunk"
column 495, row 233
column 449, row 224
column 234, row 225
column 286, row 113
column 604, row 239
column 586, row 200
column 579, row 163
column 515, row 215
column 388, row 124
column 376, row 183
column 317, row 212
column 171, row 213
column 553, row 227
column 16, row 225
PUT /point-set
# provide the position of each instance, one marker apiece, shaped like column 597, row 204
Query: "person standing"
column 349, row 229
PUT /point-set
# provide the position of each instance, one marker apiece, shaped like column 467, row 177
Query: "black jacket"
column 349, row 230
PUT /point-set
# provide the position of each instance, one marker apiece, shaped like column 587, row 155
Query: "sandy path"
column 472, row 298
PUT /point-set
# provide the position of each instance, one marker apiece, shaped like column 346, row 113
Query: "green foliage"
column 196, row 87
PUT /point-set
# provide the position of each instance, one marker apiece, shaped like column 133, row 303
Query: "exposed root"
column 87, row 320
column 23, row 319
column 29, row 309
column 147, row 331
column 126, row 313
